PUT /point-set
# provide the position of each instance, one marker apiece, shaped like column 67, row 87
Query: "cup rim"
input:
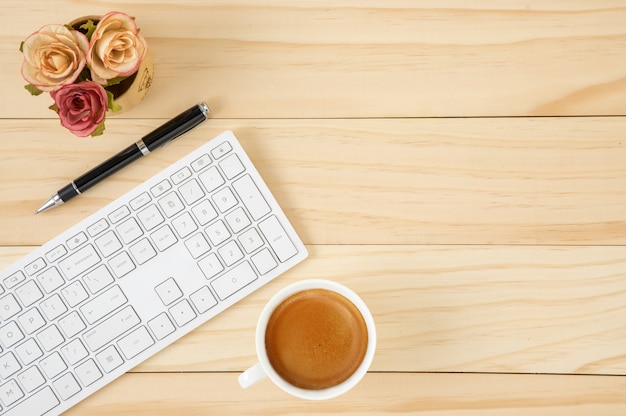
column 300, row 286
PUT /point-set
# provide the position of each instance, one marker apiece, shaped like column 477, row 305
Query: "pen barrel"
column 175, row 127
column 108, row 167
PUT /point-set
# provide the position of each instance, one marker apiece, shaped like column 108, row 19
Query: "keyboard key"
column 31, row 379
column 8, row 365
column 161, row 326
column 88, row 372
column 31, row 320
column 210, row 266
column 119, row 214
column 168, row 291
column 103, row 304
column 56, row 253
column 79, row 262
column 181, row 175
column 251, row 197
column 111, row 328
column 161, row 188
column 142, row 251
column 121, row 264
column 221, row 150
column 71, row 324
column 150, row 217
column 129, row 230
column 50, row 280
column 108, row 243
column 74, row 294
column 278, row 238
column 200, row 163
column 230, row 253
column 204, row 212
column 135, row 342
column 53, row 307
column 28, row 351
column 191, row 192
column 98, row 279
column 231, row 166
column 263, row 261
column 14, row 279
column 74, row 351
column 184, row 225
column 139, row 201
column 50, row 337
column 98, row 227
column 37, row 404
column 10, row 393
column 163, row 238
column 10, row 334
column 182, row 312
column 237, row 220
column 233, row 280
column 29, row 293
column 171, row 204
column 35, row 266
column 217, row 232
column 224, row 199
column 109, row 359
column 203, row 299
column 211, row 179
column 8, row 307
column 197, row 245
column 250, row 240
column 77, row 240
column 66, row 386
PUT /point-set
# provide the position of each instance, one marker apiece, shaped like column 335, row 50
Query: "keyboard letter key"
column 37, row 404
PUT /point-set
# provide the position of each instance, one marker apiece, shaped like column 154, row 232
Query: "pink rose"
column 54, row 56
column 81, row 106
column 116, row 48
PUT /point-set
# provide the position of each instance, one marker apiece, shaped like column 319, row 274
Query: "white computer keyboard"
column 137, row 275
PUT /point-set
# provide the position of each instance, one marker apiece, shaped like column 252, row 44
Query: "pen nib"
column 50, row 203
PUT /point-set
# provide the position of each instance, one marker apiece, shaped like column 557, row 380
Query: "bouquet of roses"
column 78, row 66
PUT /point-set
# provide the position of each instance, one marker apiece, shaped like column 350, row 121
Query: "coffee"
column 316, row 339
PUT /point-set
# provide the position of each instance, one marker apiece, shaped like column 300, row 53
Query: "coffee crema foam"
column 316, row 339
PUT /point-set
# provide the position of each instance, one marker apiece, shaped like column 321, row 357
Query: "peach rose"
column 81, row 106
column 54, row 56
column 116, row 48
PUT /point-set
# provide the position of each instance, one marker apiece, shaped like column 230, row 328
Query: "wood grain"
column 409, row 181
column 378, row 394
column 509, row 309
column 459, row 164
column 259, row 59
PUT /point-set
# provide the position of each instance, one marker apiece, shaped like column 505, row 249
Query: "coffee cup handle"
column 251, row 376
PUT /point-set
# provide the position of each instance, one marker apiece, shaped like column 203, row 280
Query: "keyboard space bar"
column 36, row 405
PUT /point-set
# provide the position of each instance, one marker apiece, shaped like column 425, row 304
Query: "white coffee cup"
column 263, row 369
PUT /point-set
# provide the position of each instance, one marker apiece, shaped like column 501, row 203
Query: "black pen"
column 163, row 135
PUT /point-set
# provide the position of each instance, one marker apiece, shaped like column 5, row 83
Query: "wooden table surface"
column 460, row 164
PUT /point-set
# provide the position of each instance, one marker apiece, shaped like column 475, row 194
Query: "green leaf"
column 54, row 108
column 90, row 27
column 115, row 81
column 111, row 104
column 33, row 90
column 99, row 130
column 22, row 47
